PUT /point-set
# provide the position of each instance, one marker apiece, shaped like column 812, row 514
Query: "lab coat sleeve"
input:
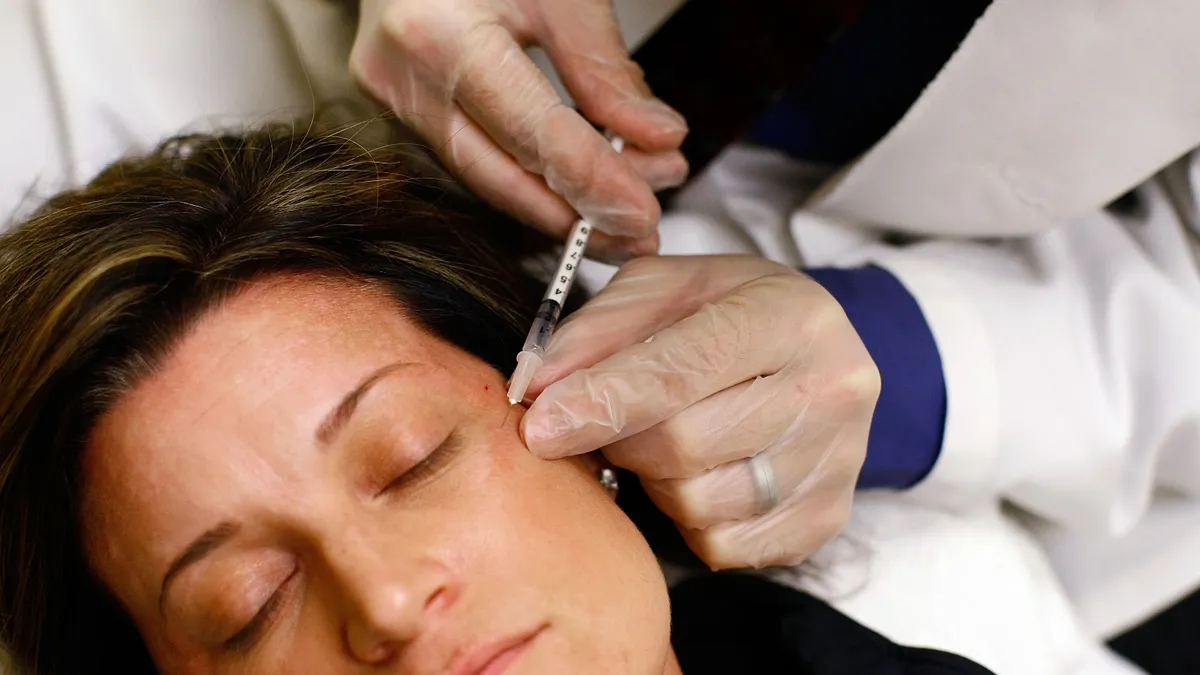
column 906, row 430
column 1071, row 363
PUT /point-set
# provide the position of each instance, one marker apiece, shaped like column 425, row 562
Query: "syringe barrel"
column 543, row 327
column 568, row 265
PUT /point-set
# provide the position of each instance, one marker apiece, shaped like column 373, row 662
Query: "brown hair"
column 98, row 284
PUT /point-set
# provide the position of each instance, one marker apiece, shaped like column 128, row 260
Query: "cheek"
column 176, row 658
column 559, row 524
column 567, row 487
column 518, row 513
column 565, row 536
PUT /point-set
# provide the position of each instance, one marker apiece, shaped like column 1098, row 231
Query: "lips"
column 493, row 658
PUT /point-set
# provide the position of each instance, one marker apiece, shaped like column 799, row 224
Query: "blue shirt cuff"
column 906, row 432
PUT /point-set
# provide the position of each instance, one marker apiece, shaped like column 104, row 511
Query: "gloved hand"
column 683, row 369
column 455, row 71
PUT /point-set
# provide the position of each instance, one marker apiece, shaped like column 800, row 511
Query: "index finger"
column 496, row 83
column 585, row 44
column 646, row 296
column 721, row 345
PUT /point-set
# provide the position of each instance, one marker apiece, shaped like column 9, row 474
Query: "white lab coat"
column 1065, row 506
column 1062, row 508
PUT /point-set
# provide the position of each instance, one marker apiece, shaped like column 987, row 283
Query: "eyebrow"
column 195, row 552
column 327, row 432
column 337, row 418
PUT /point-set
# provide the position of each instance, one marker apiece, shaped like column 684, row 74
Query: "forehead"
column 258, row 372
column 286, row 341
column 292, row 316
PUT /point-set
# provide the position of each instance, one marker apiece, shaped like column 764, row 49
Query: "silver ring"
column 765, row 484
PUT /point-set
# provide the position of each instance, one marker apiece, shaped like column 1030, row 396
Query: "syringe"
column 530, row 358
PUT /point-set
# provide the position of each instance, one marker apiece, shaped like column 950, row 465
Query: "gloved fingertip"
column 713, row 564
column 625, row 249
column 542, row 438
column 663, row 117
column 627, row 224
column 668, row 173
column 614, row 256
column 695, row 541
column 646, row 246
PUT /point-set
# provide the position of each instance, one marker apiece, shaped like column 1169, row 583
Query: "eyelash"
column 426, row 468
column 246, row 638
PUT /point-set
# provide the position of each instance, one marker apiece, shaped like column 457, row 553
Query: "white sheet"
column 90, row 81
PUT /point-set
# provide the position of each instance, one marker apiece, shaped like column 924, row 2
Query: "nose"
column 388, row 599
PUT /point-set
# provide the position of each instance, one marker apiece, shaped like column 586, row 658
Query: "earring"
column 608, row 481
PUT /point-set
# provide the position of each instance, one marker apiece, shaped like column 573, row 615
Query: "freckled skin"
column 370, row 573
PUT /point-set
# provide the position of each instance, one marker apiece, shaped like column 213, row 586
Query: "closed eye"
column 250, row 634
column 428, row 467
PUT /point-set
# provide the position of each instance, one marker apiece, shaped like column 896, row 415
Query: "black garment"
column 822, row 80
column 868, row 78
column 737, row 624
column 1168, row 643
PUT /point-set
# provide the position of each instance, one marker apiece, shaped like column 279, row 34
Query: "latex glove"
column 687, row 367
column 457, row 73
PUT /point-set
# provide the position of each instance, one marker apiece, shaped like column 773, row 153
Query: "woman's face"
column 311, row 483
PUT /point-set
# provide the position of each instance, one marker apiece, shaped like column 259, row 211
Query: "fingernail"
column 647, row 246
column 616, row 257
column 670, row 174
column 666, row 118
column 629, row 249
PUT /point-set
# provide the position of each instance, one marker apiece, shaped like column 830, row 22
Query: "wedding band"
column 765, row 484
